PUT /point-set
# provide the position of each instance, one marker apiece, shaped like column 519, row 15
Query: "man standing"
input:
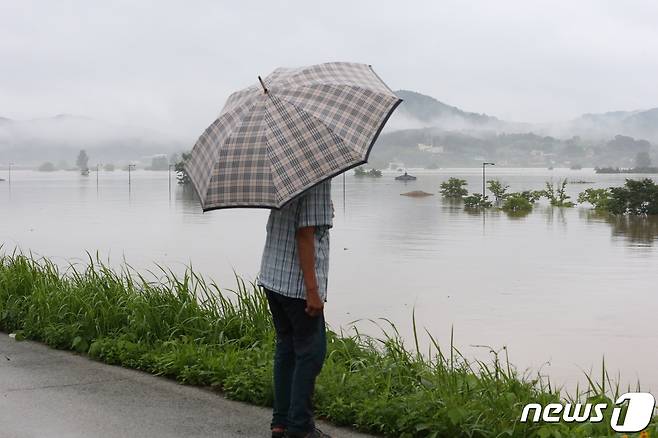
column 293, row 273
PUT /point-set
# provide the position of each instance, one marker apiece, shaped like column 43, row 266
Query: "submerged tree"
column 181, row 175
column 635, row 197
column 558, row 195
column 498, row 189
column 599, row 198
column 361, row 171
column 47, row 167
column 82, row 161
column 519, row 203
column 475, row 200
column 638, row 197
column 454, row 188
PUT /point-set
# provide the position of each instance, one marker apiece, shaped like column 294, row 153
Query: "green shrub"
column 361, row 171
column 181, row 174
column 498, row 189
column 475, row 200
column 599, row 198
column 558, row 195
column 636, row 197
column 454, row 188
column 518, row 203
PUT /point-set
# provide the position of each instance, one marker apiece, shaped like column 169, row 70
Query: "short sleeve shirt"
column 280, row 270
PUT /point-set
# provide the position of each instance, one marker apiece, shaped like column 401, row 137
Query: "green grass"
column 188, row 329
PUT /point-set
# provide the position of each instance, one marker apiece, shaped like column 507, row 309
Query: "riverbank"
column 187, row 329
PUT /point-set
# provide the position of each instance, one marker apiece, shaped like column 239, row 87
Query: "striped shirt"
column 280, row 270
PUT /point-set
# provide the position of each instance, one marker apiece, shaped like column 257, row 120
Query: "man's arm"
column 306, row 250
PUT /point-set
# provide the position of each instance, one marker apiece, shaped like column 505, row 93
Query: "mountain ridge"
column 422, row 111
column 422, row 123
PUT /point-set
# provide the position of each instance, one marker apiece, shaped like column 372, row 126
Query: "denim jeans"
column 301, row 346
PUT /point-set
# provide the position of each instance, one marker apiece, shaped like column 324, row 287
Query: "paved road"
column 50, row 393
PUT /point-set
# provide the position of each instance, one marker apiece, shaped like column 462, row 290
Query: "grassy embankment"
column 186, row 328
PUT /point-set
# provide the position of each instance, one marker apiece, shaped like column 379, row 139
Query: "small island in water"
column 373, row 173
column 417, row 194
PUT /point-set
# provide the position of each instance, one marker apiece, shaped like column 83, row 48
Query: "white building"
column 430, row 148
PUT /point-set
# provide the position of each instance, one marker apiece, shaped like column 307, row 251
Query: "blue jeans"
column 301, row 346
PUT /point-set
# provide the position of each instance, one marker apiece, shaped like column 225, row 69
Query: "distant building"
column 538, row 153
column 430, row 148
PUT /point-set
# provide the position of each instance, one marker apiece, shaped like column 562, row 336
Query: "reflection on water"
column 636, row 230
column 554, row 215
column 186, row 196
column 551, row 285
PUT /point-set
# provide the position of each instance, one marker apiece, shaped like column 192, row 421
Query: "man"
column 294, row 275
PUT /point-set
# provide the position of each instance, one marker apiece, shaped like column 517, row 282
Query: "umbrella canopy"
column 293, row 130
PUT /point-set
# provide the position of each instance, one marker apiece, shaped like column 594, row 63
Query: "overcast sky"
column 169, row 65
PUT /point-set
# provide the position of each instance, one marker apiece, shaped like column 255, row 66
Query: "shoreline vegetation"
column 606, row 170
column 373, row 173
column 186, row 328
column 635, row 198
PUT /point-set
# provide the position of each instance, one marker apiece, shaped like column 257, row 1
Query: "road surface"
column 51, row 394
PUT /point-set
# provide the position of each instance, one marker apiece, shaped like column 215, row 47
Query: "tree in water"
column 498, row 189
column 454, row 188
column 181, row 175
column 557, row 195
column 82, row 161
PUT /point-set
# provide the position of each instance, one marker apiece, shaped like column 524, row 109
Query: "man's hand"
column 314, row 304
column 306, row 252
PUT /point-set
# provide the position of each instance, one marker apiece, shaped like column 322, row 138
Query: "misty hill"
column 433, row 147
column 428, row 132
column 422, row 132
column 62, row 136
column 431, row 112
column 641, row 124
column 419, row 111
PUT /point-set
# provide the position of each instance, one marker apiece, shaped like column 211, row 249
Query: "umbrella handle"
column 262, row 84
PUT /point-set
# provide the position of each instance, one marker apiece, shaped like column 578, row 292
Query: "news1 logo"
column 638, row 413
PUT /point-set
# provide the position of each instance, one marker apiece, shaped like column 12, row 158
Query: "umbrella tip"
column 262, row 84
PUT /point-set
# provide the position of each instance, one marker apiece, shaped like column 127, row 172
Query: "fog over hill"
column 421, row 111
column 423, row 131
column 427, row 132
column 639, row 124
column 60, row 137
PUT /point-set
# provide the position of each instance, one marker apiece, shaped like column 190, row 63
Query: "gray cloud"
column 169, row 66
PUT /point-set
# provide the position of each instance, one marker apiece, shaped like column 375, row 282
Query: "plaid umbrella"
column 295, row 129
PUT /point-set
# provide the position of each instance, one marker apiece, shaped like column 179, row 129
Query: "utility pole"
column 170, row 167
column 484, row 177
column 130, row 168
column 9, row 177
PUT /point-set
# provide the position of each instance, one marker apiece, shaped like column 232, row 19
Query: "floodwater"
column 561, row 288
